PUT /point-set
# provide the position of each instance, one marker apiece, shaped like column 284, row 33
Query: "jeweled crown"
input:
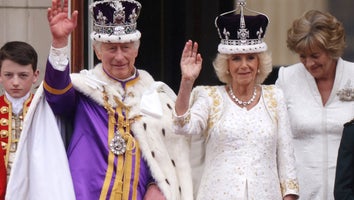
column 115, row 20
column 241, row 33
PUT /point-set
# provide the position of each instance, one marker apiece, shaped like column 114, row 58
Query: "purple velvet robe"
column 88, row 148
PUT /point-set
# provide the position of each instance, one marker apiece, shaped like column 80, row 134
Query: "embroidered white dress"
column 248, row 153
column 316, row 129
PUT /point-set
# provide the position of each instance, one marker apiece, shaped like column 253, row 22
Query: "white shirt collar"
column 17, row 103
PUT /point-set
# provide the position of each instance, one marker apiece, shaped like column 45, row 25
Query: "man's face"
column 118, row 58
column 17, row 79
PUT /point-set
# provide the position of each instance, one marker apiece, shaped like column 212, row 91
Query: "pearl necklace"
column 243, row 103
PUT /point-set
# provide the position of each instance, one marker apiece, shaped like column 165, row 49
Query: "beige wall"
column 281, row 14
column 26, row 20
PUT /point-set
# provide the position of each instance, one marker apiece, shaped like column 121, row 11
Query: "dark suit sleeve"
column 344, row 181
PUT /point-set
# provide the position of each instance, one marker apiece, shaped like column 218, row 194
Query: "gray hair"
column 97, row 44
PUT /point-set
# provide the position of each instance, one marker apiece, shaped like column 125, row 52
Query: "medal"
column 117, row 145
column 120, row 143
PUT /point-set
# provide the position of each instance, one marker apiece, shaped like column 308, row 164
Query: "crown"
column 115, row 21
column 241, row 33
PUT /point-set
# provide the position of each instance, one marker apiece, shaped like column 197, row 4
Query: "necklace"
column 243, row 103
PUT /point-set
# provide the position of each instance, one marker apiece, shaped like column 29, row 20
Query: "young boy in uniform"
column 18, row 72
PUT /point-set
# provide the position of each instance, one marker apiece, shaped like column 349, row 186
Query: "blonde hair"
column 220, row 64
column 316, row 29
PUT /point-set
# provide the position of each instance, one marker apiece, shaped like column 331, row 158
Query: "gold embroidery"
column 12, row 129
column 214, row 113
column 119, row 123
column 56, row 91
column 4, row 122
column 3, row 145
column 289, row 185
column 270, row 100
column 4, row 133
column 16, row 122
column 4, row 110
column 182, row 121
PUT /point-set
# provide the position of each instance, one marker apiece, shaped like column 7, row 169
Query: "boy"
column 18, row 72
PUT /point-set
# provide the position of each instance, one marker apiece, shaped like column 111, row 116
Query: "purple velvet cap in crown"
column 115, row 21
column 241, row 33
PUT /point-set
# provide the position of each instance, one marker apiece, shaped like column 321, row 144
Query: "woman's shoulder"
column 290, row 70
column 212, row 93
column 347, row 66
column 207, row 88
column 272, row 89
column 273, row 94
column 345, row 62
column 291, row 76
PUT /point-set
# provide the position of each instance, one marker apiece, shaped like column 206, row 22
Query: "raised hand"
column 191, row 64
column 191, row 61
column 59, row 23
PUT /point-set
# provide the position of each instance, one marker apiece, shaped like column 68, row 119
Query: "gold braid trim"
column 56, row 91
column 119, row 123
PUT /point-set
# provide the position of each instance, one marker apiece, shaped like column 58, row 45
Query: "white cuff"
column 58, row 57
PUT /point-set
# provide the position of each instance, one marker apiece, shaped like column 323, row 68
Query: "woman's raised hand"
column 191, row 61
column 191, row 64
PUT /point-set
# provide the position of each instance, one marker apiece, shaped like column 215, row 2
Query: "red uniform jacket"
column 5, row 130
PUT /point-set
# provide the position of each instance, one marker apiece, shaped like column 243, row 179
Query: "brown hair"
column 19, row 52
column 316, row 29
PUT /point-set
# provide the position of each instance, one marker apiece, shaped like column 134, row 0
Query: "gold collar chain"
column 120, row 138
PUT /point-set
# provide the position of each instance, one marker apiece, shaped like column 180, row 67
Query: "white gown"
column 316, row 129
column 248, row 154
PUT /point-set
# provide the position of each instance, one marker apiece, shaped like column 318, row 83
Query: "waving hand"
column 60, row 24
column 191, row 64
column 191, row 61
